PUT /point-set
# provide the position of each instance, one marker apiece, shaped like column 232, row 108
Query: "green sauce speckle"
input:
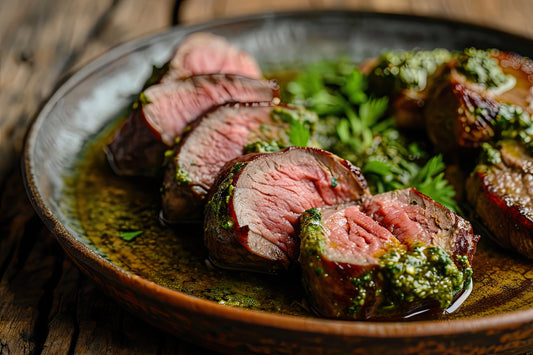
column 408, row 69
column 480, row 67
column 422, row 273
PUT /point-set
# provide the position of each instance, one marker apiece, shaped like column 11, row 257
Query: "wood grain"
column 46, row 305
column 508, row 15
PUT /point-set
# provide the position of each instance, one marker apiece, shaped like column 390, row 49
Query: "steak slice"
column 501, row 194
column 251, row 216
column 220, row 136
column 166, row 109
column 397, row 254
column 466, row 95
column 207, row 53
column 340, row 245
column 413, row 217
column 459, row 113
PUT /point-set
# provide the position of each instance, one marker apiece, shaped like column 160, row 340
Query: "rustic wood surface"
column 46, row 305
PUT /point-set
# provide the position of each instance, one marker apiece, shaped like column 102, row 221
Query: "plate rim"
column 155, row 291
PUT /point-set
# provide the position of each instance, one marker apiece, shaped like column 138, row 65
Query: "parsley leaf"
column 299, row 133
column 363, row 133
column 129, row 236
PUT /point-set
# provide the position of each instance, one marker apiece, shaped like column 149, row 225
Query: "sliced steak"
column 220, row 136
column 251, row 216
column 413, row 218
column 501, row 193
column 206, row 53
column 166, row 109
column 397, row 254
column 338, row 246
column 459, row 113
column 466, row 94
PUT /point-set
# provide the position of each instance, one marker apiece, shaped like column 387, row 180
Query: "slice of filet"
column 500, row 191
column 398, row 253
column 338, row 246
column 250, row 218
column 404, row 77
column 207, row 53
column 164, row 110
column 216, row 138
column 466, row 94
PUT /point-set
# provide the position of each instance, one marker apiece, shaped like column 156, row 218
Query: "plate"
column 146, row 275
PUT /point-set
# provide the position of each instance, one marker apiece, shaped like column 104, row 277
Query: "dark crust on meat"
column 138, row 162
column 506, row 222
column 228, row 246
column 458, row 114
column 329, row 297
column 327, row 282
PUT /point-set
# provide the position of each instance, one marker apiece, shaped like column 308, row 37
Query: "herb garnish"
column 299, row 133
column 355, row 125
column 129, row 236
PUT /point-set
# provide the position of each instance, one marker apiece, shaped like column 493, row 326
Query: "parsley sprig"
column 356, row 126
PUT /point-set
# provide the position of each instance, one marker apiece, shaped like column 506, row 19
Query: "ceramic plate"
column 161, row 275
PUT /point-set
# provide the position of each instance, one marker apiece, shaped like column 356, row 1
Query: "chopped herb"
column 334, row 182
column 480, row 67
column 362, row 131
column 143, row 99
column 298, row 134
column 513, row 123
column 261, row 147
column 399, row 70
column 129, row 236
column 182, row 176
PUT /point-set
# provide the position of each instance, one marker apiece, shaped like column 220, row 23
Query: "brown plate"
column 162, row 276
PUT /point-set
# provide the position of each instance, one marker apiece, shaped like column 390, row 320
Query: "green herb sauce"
column 398, row 70
column 404, row 274
column 480, row 67
column 421, row 273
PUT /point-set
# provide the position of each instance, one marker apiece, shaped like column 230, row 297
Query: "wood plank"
column 38, row 42
column 512, row 16
column 127, row 20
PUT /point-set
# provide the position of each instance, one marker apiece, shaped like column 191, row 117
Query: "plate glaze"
column 496, row 318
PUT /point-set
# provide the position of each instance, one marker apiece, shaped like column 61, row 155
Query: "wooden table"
column 46, row 304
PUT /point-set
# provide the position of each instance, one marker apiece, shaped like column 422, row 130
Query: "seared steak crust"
column 126, row 161
column 501, row 194
column 458, row 113
column 461, row 113
column 250, row 218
